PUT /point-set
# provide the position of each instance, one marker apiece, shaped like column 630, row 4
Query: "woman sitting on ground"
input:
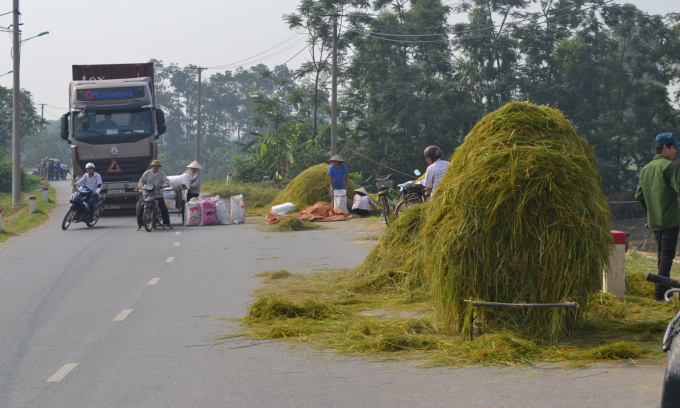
column 362, row 202
column 194, row 172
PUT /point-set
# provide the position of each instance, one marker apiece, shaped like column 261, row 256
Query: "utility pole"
column 16, row 111
column 198, row 115
column 334, row 89
column 42, row 110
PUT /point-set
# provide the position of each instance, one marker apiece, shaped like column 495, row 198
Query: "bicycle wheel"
column 401, row 207
column 387, row 212
column 68, row 218
column 155, row 218
column 148, row 219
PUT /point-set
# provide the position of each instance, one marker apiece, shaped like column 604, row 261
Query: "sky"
column 208, row 33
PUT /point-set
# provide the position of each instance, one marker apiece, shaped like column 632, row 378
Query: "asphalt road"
column 110, row 317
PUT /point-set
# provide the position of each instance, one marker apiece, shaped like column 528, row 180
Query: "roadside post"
column 228, row 179
column 31, row 204
column 42, row 183
column 45, row 193
column 614, row 277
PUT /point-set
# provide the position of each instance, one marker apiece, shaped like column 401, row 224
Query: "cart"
column 180, row 197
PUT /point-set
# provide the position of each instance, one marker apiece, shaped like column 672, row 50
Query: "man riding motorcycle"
column 93, row 181
column 154, row 177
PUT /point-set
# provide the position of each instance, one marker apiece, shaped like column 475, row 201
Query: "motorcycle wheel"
column 95, row 218
column 148, row 219
column 68, row 219
column 155, row 218
column 670, row 396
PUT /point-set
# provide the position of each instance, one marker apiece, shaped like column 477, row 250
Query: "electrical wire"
column 56, row 107
column 369, row 34
column 49, row 113
column 9, row 12
column 258, row 54
column 265, row 57
column 306, row 46
column 368, row 158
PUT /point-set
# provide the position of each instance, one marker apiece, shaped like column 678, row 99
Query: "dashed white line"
column 153, row 281
column 122, row 315
column 177, row 233
column 170, row 259
column 176, row 244
column 59, row 375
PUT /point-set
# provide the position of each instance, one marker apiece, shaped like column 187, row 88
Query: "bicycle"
column 670, row 396
column 412, row 194
column 151, row 217
column 386, row 196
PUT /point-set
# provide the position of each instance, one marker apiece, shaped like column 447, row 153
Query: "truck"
column 113, row 123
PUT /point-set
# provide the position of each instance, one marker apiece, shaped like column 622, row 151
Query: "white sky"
column 201, row 32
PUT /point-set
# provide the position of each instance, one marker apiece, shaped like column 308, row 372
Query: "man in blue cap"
column 658, row 193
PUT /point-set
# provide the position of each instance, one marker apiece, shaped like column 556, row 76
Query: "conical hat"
column 337, row 158
column 195, row 165
column 361, row 190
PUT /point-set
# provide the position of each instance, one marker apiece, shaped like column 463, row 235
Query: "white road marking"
column 122, row 315
column 153, row 281
column 59, row 375
column 176, row 243
column 170, row 259
column 177, row 233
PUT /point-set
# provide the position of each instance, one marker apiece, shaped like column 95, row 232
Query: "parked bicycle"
column 386, row 196
column 151, row 217
column 670, row 396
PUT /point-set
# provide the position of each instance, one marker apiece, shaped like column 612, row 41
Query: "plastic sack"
column 238, row 210
column 193, row 214
column 283, row 209
column 170, row 204
column 176, row 181
column 207, row 213
column 169, row 194
column 340, row 200
column 222, row 213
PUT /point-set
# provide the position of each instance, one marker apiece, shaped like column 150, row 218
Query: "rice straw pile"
column 518, row 216
column 309, row 187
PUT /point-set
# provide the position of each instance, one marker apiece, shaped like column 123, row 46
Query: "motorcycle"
column 80, row 208
column 670, row 396
column 151, row 217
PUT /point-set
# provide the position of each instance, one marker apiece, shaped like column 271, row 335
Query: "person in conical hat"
column 362, row 202
column 338, row 175
column 194, row 172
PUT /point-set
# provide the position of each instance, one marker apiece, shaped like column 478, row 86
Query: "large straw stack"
column 308, row 188
column 519, row 216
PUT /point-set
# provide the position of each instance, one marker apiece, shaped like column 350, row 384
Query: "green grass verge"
column 17, row 220
column 343, row 312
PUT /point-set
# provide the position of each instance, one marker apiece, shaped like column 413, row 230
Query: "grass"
column 18, row 220
column 293, row 224
column 324, row 309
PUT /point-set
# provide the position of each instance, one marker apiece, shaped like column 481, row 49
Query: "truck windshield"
column 97, row 124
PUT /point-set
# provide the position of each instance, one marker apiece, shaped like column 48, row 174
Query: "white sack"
column 238, row 210
column 193, row 214
column 176, row 181
column 283, row 209
column 340, row 200
column 222, row 213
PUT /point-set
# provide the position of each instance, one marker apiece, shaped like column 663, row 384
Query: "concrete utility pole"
column 198, row 116
column 16, row 112
column 42, row 110
column 334, row 89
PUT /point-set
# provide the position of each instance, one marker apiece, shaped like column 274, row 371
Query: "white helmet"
column 89, row 166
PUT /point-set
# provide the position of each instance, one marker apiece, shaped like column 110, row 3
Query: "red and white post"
column 45, row 194
column 614, row 277
column 228, row 179
column 31, row 204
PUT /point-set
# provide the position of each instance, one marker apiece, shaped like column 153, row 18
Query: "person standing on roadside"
column 194, row 172
column 338, row 176
column 658, row 193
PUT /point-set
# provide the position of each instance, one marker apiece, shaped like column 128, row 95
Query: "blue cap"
column 666, row 138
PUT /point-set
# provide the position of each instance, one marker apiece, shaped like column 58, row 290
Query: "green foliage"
column 31, row 122
column 46, row 142
column 28, row 183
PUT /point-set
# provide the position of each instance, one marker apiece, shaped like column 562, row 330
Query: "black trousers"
column 164, row 212
column 363, row 213
column 191, row 195
column 666, row 241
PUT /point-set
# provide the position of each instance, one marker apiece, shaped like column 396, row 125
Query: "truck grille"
column 132, row 168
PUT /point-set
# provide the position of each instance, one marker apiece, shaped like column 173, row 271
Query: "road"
column 110, row 317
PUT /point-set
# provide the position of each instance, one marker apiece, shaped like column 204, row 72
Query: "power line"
column 258, row 54
column 378, row 163
column 265, row 57
column 305, row 47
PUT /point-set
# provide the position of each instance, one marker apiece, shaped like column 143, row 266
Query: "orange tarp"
column 319, row 212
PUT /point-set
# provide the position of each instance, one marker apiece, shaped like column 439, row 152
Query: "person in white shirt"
column 93, row 181
column 435, row 170
column 362, row 202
